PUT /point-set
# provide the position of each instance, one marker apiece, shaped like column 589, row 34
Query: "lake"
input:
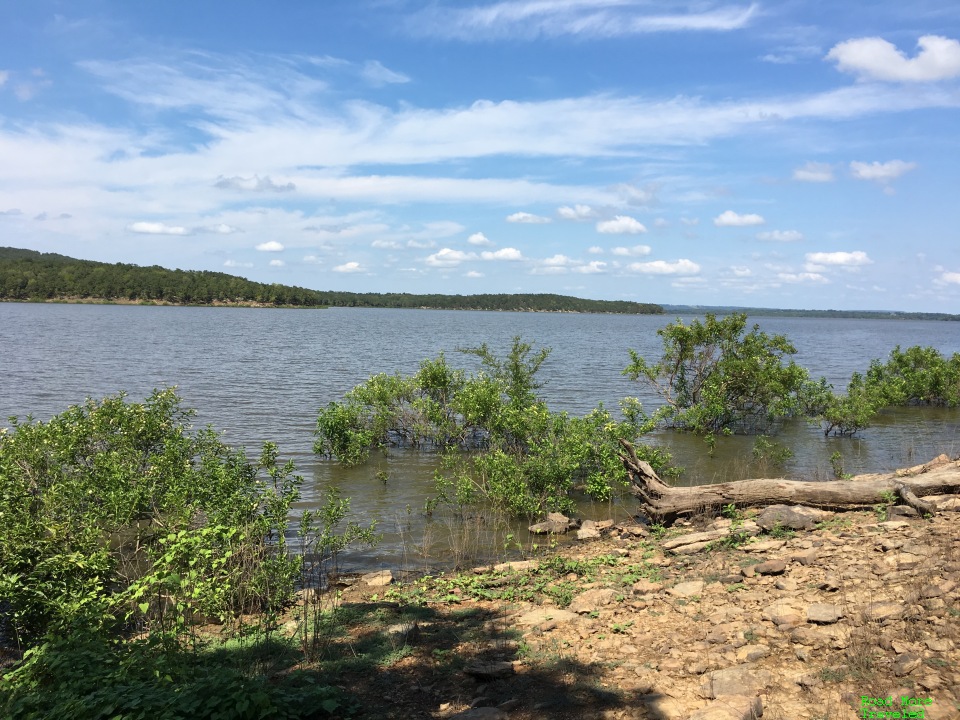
column 262, row 374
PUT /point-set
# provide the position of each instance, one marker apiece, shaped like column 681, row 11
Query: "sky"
column 793, row 154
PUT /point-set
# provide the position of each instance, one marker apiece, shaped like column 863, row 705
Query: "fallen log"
column 663, row 503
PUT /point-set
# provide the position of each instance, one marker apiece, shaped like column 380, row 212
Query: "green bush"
column 916, row 376
column 715, row 377
column 116, row 513
column 522, row 457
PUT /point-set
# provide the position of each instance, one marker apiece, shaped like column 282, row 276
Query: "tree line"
column 27, row 275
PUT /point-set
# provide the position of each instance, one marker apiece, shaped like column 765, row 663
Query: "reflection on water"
column 262, row 374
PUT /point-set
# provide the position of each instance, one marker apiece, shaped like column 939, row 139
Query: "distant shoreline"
column 668, row 309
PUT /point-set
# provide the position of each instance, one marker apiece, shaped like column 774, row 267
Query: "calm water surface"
column 259, row 374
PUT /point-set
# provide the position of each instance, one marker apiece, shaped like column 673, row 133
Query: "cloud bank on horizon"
column 710, row 153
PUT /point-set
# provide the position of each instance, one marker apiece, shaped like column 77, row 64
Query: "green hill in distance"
column 31, row 276
column 777, row 312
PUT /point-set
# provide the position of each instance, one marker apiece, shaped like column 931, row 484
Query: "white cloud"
column 880, row 172
column 729, row 218
column 157, row 228
column 596, row 250
column 473, row 274
column 558, row 261
column 805, row 277
column 508, row 253
column 635, row 251
column 4, row 76
column 270, row 246
column 277, row 263
column 739, row 271
column 312, row 260
column 661, row 223
column 382, row 244
column 592, row 267
column 349, row 267
column 661, row 267
column 219, row 229
column 255, row 184
column 478, row 238
column 856, row 258
column 952, row 278
column 781, row 236
column 237, row 264
column 621, row 225
column 577, row 212
column 531, row 19
column 814, row 172
column 873, row 58
column 377, row 75
column 525, row 217
column 633, row 195
column 690, row 222
column 447, row 257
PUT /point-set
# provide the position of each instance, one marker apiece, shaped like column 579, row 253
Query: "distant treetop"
column 27, row 275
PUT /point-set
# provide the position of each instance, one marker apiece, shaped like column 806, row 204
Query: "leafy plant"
column 499, row 441
column 715, row 376
column 116, row 513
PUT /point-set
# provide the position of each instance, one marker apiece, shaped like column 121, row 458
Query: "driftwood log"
column 663, row 503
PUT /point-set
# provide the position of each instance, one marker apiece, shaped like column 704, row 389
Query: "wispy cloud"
column 529, row 19
column 881, row 172
column 525, row 217
column 814, row 172
column 376, row 74
column 781, row 236
column 255, row 184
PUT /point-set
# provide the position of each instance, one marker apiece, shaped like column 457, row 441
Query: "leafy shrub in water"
column 114, row 512
column 713, row 376
column 526, row 459
column 917, row 376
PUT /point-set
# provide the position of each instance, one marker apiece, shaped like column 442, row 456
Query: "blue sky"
column 788, row 154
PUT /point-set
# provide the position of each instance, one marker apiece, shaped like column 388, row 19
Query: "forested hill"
column 28, row 275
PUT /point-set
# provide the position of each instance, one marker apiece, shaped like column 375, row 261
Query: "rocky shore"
column 714, row 619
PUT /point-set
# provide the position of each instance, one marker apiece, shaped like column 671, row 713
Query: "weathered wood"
column 663, row 503
column 921, row 506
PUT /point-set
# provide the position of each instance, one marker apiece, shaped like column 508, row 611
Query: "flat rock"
column 515, row 566
column 646, row 587
column 555, row 524
column 793, row 517
column 592, row 599
column 906, row 664
column 883, row 610
column 770, row 567
column 687, row 589
column 764, row 546
column 588, row 533
column 495, row 670
column 823, row 613
column 540, row 616
column 378, row 579
column 731, row 707
column 744, row 679
column 782, row 613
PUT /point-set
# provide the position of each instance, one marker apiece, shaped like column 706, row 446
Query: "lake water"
column 259, row 374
